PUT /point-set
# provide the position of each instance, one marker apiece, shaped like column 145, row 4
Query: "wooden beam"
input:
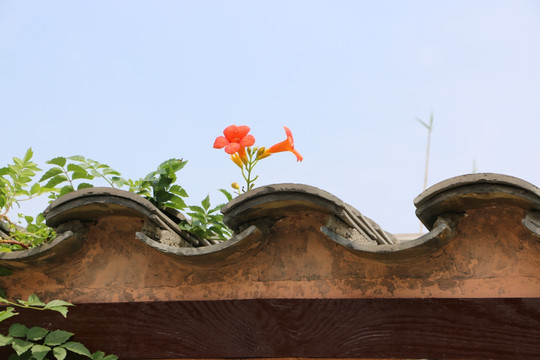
column 325, row 328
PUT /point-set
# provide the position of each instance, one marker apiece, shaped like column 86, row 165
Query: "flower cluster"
column 238, row 143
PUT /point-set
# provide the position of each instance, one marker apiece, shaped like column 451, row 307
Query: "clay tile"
column 94, row 203
column 274, row 201
column 461, row 193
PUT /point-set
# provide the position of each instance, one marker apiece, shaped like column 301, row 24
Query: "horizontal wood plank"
column 323, row 328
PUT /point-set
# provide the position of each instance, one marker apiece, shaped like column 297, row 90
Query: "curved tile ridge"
column 94, row 203
column 532, row 222
column 460, row 193
column 442, row 231
column 60, row 245
column 275, row 200
column 246, row 239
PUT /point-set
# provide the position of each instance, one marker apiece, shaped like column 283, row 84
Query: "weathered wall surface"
column 491, row 255
column 290, row 284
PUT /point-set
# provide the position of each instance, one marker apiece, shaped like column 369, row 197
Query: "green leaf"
column 27, row 172
column 109, row 171
column 227, row 194
column 18, row 330
column 197, row 209
column 176, row 203
column 6, row 314
column 198, row 217
column 36, row 333
column 206, row 202
column 98, row 355
column 18, row 161
column 118, row 181
column 59, row 353
column 59, row 161
column 36, row 189
column 28, row 155
column 24, row 178
column 178, row 190
column 58, row 179
column 57, row 337
column 5, row 171
column 61, row 309
column 95, row 173
column 5, row 340
column 33, row 300
column 50, row 173
column 20, row 346
column 75, row 168
column 77, row 158
column 163, row 183
column 84, row 186
column 77, row 348
column 81, row 175
column 40, row 218
column 40, row 351
column 56, row 303
column 66, row 190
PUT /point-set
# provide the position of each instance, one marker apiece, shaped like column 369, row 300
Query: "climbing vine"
column 67, row 174
column 36, row 343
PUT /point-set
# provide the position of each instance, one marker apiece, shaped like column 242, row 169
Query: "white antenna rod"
column 429, row 127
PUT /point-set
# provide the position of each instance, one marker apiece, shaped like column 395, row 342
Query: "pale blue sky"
column 133, row 83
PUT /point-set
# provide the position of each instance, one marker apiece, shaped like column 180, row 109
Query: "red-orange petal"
column 285, row 145
column 247, row 141
column 288, row 132
column 235, row 133
column 230, row 132
column 220, row 142
column 243, row 130
column 232, row 148
column 298, row 156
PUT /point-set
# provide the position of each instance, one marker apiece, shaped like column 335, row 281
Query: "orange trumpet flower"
column 285, row 145
column 236, row 139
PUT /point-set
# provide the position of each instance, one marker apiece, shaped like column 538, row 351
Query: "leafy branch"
column 15, row 186
column 72, row 173
column 207, row 222
column 37, row 342
column 69, row 171
column 35, row 233
column 35, row 303
column 15, row 183
column 159, row 186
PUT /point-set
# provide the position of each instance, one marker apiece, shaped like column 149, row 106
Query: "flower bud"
column 235, row 185
column 260, row 151
column 243, row 156
column 264, row 154
column 244, row 159
column 236, row 159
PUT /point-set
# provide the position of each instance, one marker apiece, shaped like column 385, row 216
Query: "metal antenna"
column 429, row 127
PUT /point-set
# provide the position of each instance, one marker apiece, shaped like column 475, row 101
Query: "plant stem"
column 14, row 242
column 250, row 183
column 67, row 176
column 6, row 301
